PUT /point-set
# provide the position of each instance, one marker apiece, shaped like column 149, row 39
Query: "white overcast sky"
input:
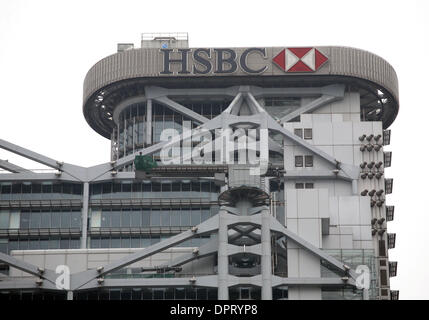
column 46, row 48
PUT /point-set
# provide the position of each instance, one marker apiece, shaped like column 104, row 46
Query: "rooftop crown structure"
column 235, row 173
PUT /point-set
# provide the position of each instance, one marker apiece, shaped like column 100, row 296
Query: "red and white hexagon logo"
column 300, row 59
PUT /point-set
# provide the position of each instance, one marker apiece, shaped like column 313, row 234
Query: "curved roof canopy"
column 125, row 74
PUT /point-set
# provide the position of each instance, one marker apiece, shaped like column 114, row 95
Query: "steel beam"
column 85, row 209
column 208, row 226
column 34, row 176
column 278, row 227
column 49, row 275
column 8, row 166
column 26, row 284
column 266, row 257
column 197, row 281
column 222, row 257
column 181, row 109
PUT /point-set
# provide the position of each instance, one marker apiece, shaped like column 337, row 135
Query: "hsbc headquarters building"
column 235, row 173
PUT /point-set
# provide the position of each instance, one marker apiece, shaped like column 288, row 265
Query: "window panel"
column 308, row 161
column 105, row 218
column 136, row 218
column 117, row 187
column 298, row 132
column 125, row 218
column 45, row 219
column 115, row 242
column 75, row 219
column 74, row 243
column 155, row 220
column 106, row 187
column 77, row 189
column 105, row 243
column 47, row 187
column 165, row 217
column 195, row 216
column 135, row 242
column 33, row 244
column 95, row 242
column 4, row 219
column 25, row 219
column 145, row 217
column 67, row 188
column 154, row 239
column 186, row 186
column 145, row 241
column 298, row 161
column 308, row 133
column 64, row 243
column 196, row 186
column 26, row 187
column 65, row 219
column 175, row 217
column 44, row 244
column 55, row 219
column 115, row 217
column 205, row 186
column 175, row 187
column 126, row 187
column 125, row 242
column 166, row 187
column 137, row 187
column 185, row 217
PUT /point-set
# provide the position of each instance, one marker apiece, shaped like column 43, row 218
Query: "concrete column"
column 69, row 295
column 222, row 258
column 365, row 294
column 266, row 256
column 355, row 186
column 84, row 239
column 149, row 122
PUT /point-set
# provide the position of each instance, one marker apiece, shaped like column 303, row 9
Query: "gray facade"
column 304, row 228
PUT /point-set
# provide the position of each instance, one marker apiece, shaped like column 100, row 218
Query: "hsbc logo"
column 203, row 61
column 300, row 59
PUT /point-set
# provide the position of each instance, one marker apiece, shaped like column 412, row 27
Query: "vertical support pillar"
column 365, row 294
column 69, row 295
column 85, row 206
column 148, row 122
column 117, row 141
column 222, row 258
column 355, row 186
column 266, row 256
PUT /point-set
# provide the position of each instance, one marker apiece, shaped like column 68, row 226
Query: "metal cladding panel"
column 365, row 65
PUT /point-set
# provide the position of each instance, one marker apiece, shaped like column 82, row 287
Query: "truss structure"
column 253, row 222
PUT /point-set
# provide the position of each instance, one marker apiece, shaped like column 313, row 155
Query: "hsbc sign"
column 203, row 61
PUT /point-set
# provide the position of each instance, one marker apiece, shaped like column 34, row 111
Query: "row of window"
column 40, row 219
column 306, row 185
column 184, row 293
column 32, row 295
column 301, row 161
column 141, row 241
column 308, row 133
column 48, row 187
column 106, row 188
column 41, row 243
column 150, row 217
column 187, row 293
